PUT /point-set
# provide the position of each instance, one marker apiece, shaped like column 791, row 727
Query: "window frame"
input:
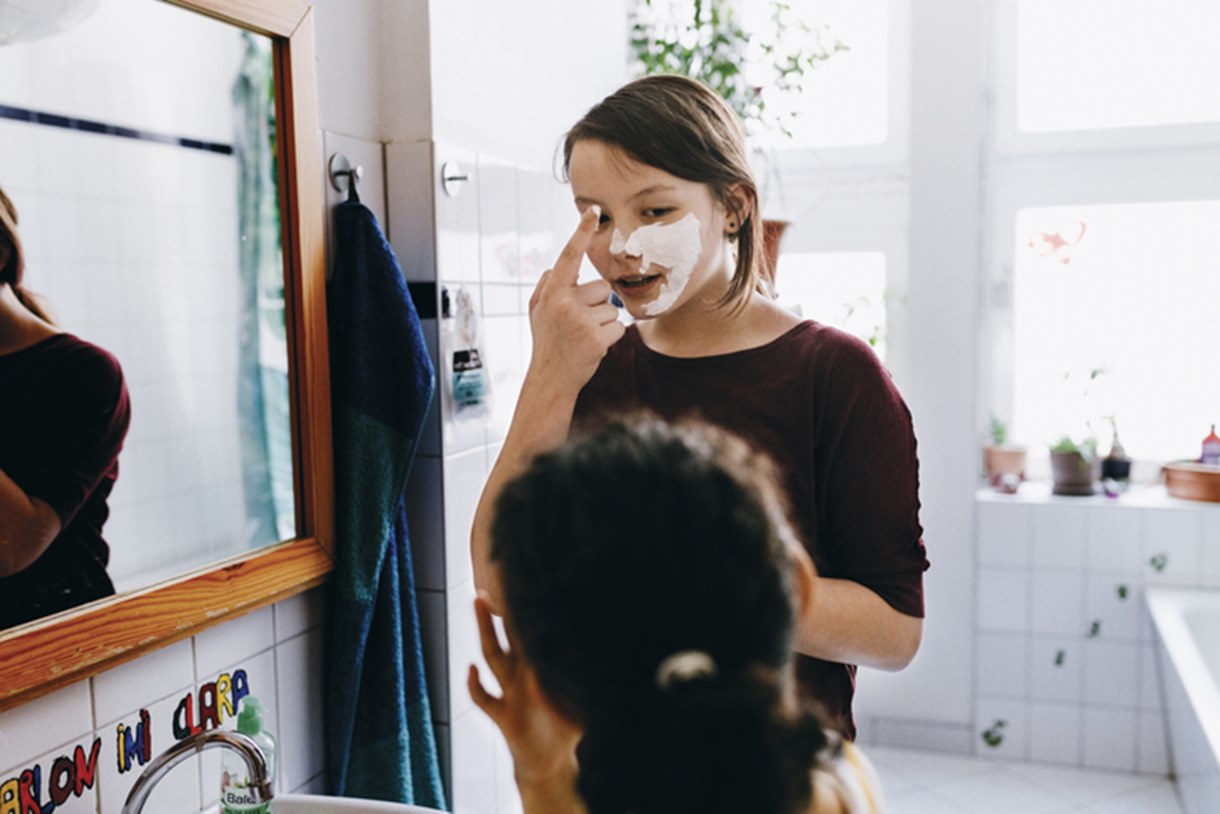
column 1069, row 168
column 1010, row 140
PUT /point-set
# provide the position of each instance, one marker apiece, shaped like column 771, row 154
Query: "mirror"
column 194, row 538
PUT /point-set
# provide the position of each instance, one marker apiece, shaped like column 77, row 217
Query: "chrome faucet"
column 244, row 745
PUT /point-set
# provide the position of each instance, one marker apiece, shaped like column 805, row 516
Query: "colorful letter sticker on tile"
column 42, row 789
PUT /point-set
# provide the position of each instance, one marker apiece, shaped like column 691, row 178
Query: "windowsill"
column 1140, row 496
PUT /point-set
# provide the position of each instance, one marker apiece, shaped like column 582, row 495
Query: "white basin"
column 322, row 804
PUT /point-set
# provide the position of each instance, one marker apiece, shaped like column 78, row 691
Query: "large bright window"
column 844, row 289
column 845, row 101
column 1106, row 223
column 1092, row 64
column 1115, row 316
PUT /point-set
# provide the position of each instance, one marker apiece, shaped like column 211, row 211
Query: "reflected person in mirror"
column 649, row 665
column 670, row 221
column 64, row 414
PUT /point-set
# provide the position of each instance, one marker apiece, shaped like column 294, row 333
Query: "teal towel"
column 380, row 739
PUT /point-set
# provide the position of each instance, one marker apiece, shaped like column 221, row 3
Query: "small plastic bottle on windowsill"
column 1211, row 449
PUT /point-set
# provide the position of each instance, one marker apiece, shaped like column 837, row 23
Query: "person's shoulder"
column 831, row 346
column 86, row 354
column 94, row 372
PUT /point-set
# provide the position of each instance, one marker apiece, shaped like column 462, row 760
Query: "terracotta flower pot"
column 1005, row 466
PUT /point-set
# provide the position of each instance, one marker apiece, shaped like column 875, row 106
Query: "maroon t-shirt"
column 63, row 417
column 821, row 404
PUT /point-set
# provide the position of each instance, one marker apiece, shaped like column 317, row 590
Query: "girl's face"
column 660, row 242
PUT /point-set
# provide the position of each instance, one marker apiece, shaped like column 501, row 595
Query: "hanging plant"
column 750, row 69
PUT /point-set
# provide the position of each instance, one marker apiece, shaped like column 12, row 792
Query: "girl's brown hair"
column 681, row 126
column 14, row 261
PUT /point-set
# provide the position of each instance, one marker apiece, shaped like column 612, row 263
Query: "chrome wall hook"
column 344, row 177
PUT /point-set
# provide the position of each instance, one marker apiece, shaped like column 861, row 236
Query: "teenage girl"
column 657, row 634
column 63, row 417
column 669, row 218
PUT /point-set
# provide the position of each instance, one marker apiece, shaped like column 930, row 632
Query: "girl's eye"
column 658, row 211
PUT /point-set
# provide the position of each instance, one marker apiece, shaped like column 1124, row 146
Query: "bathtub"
column 1187, row 622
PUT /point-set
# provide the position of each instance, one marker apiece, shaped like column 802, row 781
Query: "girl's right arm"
column 572, row 325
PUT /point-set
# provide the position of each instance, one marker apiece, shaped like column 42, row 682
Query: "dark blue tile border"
column 21, row 114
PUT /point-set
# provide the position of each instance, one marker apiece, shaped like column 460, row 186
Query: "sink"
column 322, row 804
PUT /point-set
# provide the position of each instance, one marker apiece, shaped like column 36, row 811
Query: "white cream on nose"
column 673, row 246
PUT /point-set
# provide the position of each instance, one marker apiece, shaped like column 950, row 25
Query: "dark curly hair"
column 636, row 542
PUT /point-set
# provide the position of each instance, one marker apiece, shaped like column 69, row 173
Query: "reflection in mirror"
column 144, row 170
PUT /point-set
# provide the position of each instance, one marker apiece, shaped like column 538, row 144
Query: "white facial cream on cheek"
column 673, row 246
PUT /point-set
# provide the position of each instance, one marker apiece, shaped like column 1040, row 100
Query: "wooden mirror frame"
column 41, row 657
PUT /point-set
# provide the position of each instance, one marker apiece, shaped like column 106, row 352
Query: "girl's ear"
column 739, row 202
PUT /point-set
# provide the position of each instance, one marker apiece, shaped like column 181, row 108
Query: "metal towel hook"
column 344, row 177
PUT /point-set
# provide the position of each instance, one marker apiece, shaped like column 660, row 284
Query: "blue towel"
column 380, row 740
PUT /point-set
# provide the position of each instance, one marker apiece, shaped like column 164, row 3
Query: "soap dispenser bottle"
column 235, row 794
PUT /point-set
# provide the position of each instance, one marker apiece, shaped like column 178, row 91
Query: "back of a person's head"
column 647, row 579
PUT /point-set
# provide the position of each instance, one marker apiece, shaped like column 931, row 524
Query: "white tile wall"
column 493, row 239
column 474, row 764
column 1003, row 665
column 1113, row 539
column 129, row 686
column 44, row 724
column 284, row 672
column 1110, row 738
column 1008, row 722
column 1057, row 603
column 219, row 647
column 1003, row 599
column 1003, row 535
column 300, row 674
column 1054, row 733
column 183, row 783
column 464, row 475
column 1056, row 669
column 1152, row 755
column 464, row 650
column 1064, row 649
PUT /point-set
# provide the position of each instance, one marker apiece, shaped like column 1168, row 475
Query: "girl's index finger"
column 567, row 267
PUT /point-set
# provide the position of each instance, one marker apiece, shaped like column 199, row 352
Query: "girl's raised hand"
column 573, row 324
column 542, row 742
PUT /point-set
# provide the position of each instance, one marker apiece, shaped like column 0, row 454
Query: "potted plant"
column 1004, row 462
column 1075, row 466
column 1075, row 461
column 706, row 40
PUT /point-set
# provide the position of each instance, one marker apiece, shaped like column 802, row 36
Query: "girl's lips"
column 636, row 287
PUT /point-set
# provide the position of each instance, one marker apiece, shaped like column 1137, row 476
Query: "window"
column 1104, row 241
column 844, row 289
column 846, row 99
column 1115, row 315
column 1091, row 64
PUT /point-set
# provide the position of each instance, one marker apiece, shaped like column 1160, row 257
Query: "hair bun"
column 685, row 665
